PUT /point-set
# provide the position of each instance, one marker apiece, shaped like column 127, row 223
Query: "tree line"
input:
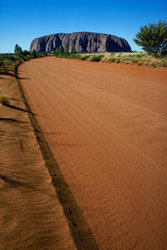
column 64, row 52
column 33, row 54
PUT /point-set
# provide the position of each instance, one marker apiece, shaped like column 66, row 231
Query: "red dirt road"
column 106, row 125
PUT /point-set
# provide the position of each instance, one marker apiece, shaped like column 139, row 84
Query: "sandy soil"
column 107, row 127
column 31, row 216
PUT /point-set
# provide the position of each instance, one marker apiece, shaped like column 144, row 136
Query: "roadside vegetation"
column 139, row 58
column 8, row 62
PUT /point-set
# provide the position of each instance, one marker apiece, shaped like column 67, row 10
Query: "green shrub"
column 8, row 62
column 1, row 63
column 25, row 53
column 42, row 54
column 111, row 59
column 33, row 53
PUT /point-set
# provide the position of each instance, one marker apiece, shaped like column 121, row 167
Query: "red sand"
column 107, row 127
column 31, row 216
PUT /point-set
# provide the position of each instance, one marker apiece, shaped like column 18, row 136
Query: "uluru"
column 82, row 42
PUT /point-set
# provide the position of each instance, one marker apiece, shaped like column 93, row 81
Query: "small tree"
column 153, row 38
column 73, row 51
column 17, row 50
column 34, row 53
column 59, row 51
column 66, row 49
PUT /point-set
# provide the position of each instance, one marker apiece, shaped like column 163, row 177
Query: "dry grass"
column 140, row 58
column 4, row 100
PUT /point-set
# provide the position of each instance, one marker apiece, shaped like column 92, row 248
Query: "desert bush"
column 117, row 60
column 135, row 60
column 4, row 100
column 8, row 62
column 25, row 53
column 23, row 58
column 33, row 53
column 96, row 58
column 42, row 54
column 112, row 59
column 1, row 63
column 164, row 62
column 84, row 57
column 73, row 56
column 140, row 55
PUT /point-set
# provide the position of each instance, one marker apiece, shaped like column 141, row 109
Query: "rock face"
column 82, row 41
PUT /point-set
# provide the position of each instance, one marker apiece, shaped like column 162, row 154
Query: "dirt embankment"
column 107, row 128
column 31, row 216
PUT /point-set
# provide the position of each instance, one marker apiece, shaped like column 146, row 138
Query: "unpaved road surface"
column 106, row 125
column 31, row 216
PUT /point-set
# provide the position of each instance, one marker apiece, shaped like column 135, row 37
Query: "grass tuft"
column 84, row 57
column 4, row 100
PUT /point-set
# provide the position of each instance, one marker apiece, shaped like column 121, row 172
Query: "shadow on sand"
column 11, row 120
column 14, row 183
column 17, row 108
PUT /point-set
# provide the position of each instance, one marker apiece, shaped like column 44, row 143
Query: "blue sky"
column 23, row 20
